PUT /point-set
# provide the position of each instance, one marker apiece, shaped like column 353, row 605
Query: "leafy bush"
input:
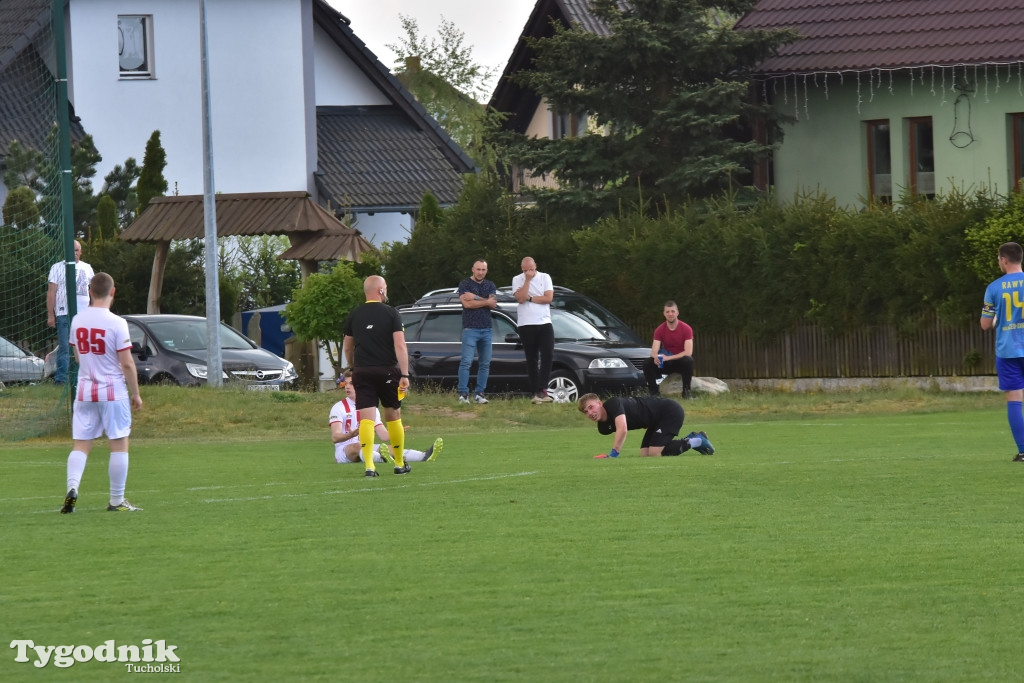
column 755, row 269
column 319, row 307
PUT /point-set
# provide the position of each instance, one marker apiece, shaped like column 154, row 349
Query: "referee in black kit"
column 375, row 350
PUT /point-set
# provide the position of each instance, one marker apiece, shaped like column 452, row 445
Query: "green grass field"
column 851, row 538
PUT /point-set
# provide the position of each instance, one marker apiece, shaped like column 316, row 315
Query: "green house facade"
column 895, row 97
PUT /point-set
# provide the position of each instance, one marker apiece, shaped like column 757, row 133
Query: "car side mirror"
column 138, row 350
column 513, row 338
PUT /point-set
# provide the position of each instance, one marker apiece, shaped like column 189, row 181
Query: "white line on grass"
column 493, row 476
column 839, row 424
column 372, row 489
column 232, row 486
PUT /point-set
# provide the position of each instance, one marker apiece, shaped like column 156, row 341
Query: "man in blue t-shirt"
column 478, row 297
column 1004, row 311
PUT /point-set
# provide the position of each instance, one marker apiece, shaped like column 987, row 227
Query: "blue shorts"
column 1011, row 373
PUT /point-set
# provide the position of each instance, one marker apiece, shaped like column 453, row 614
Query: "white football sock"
column 76, row 466
column 118, row 470
column 377, row 457
column 414, row 456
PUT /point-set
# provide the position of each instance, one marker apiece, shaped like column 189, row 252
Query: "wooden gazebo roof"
column 315, row 234
column 258, row 213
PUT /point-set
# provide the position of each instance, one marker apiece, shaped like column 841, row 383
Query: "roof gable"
column 336, row 26
column 513, row 98
column 20, row 22
column 26, row 82
column 858, row 35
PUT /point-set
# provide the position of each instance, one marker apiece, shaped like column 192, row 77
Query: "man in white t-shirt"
column 108, row 390
column 344, row 423
column 534, row 292
column 57, row 314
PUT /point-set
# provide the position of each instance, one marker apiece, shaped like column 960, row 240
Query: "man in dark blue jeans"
column 478, row 297
column 58, row 314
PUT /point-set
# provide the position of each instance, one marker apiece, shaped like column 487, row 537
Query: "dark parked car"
column 566, row 300
column 18, row 365
column 173, row 349
column 585, row 360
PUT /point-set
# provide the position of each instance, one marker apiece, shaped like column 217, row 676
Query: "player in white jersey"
column 344, row 423
column 108, row 390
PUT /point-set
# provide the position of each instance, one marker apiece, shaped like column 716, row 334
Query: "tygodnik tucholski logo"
column 152, row 656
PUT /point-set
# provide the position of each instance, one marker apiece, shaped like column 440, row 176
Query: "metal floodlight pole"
column 64, row 157
column 214, row 365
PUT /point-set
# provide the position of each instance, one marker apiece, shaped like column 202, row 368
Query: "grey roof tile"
column 26, row 83
column 20, row 22
column 375, row 158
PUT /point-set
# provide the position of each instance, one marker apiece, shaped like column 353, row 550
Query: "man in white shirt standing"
column 57, row 305
column 108, row 390
column 534, row 292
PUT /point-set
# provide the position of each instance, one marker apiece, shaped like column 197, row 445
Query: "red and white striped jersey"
column 98, row 335
column 344, row 411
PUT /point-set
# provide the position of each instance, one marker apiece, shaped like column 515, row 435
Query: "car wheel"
column 165, row 381
column 563, row 387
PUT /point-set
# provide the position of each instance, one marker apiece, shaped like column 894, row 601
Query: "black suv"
column 585, row 359
column 565, row 299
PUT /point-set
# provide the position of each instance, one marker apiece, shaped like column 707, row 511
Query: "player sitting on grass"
column 661, row 417
column 344, row 422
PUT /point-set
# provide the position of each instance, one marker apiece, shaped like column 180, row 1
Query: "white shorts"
column 91, row 419
column 342, row 459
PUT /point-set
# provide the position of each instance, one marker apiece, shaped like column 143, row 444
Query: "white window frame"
column 145, row 69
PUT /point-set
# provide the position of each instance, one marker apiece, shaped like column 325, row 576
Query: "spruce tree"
column 107, row 225
column 151, row 178
column 667, row 101
column 119, row 185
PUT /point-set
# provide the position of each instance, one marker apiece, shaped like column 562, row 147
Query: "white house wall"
column 258, row 80
column 540, row 122
column 826, row 148
column 381, row 227
column 339, row 82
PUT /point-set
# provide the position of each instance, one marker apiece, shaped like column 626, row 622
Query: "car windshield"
column 568, row 327
column 190, row 335
column 9, row 350
column 595, row 315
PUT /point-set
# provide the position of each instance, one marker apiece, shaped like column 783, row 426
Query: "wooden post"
column 156, row 280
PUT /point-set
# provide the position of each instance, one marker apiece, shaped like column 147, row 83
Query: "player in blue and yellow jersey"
column 1004, row 311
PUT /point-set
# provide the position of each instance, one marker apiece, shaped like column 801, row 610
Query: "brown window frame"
column 1017, row 128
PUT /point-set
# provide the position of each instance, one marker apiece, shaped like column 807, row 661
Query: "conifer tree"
column 151, row 178
column 660, row 108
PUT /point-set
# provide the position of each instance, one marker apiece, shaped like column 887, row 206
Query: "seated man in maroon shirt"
column 672, row 351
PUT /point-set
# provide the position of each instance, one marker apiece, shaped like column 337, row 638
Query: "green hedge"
column 756, row 269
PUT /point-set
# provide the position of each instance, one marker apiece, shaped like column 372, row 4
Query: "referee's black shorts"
column 376, row 384
column 667, row 424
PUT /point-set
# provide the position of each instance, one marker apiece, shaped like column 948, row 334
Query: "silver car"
column 17, row 365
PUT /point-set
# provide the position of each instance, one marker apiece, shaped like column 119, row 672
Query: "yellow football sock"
column 396, row 432
column 366, row 442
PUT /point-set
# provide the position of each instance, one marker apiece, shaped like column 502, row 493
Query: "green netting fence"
column 33, row 234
